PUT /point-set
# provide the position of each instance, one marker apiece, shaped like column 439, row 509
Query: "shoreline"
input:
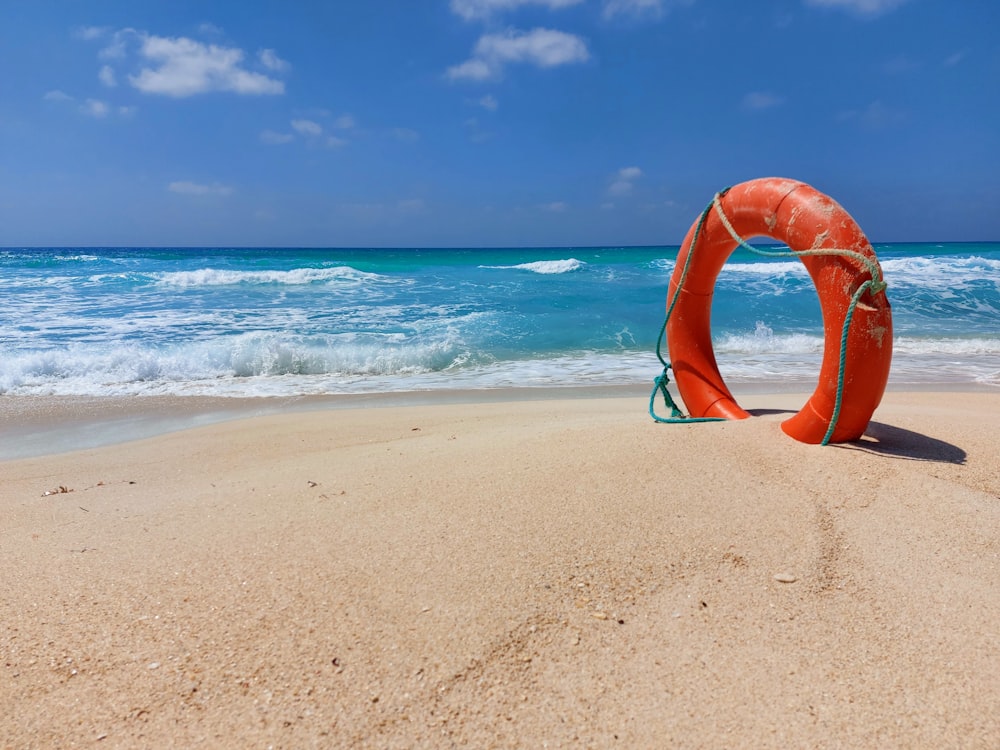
column 33, row 426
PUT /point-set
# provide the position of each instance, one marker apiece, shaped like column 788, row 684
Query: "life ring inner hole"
column 779, row 322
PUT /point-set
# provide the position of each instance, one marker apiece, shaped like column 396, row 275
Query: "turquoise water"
column 261, row 322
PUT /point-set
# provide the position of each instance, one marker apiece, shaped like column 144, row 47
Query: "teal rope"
column 874, row 285
column 661, row 381
column 870, row 284
column 873, row 267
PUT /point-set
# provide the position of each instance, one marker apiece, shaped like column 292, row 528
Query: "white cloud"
column 863, row 7
column 57, row 96
column 186, row 67
column 405, row 135
column 276, row 139
column 654, row 9
column 95, row 108
column 489, row 102
column 271, row 61
column 623, row 180
column 107, row 76
column 555, row 207
column 477, row 10
column 759, row 100
column 345, row 122
column 333, row 141
column 194, row 188
column 307, row 127
column 544, row 48
column 474, row 70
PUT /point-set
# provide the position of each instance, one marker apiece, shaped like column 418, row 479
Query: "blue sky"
column 487, row 122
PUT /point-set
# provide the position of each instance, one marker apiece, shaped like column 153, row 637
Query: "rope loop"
column 676, row 415
column 660, row 385
column 874, row 270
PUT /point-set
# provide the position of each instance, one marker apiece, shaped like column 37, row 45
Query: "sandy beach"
column 543, row 573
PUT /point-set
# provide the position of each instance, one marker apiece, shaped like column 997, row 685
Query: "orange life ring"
column 805, row 220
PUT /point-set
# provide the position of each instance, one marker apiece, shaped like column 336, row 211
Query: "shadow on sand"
column 895, row 442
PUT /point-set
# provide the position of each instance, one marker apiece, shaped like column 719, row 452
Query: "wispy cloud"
column 756, row 101
column 95, row 108
column 478, row 10
column 623, row 181
column 270, row 60
column 311, row 132
column 633, row 8
column 117, row 45
column 476, row 132
column 869, row 8
column 555, row 207
column 652, row 10
column 955, row 59
column 307, row 127
column 275, row 138
column 405, row 135
column 196, row 188
column 876, row 116
column 106, row 75
column 899, row 65
column 543, row 48
column 345, row 122
column 489, row 102
column 90, row 32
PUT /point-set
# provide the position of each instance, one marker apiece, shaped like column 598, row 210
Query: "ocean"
column 237, row 322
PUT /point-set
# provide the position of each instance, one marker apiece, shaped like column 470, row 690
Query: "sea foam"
column 295, row 276
column 546, row 266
